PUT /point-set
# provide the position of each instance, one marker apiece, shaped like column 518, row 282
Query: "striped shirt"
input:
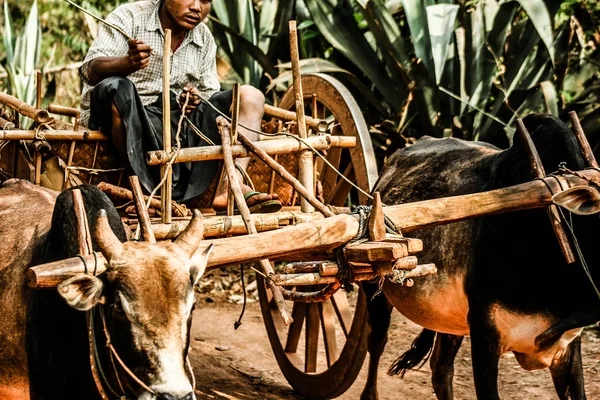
column 194, row 62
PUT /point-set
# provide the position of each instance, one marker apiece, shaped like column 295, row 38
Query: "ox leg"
column 442, row 364
column 567, row 373
column 379, row 311
column 485, row 353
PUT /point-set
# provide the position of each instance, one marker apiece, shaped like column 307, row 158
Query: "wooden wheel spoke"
column 312, row 338
column 327, row 314
column 342, row 309
column 293, row 338
column 342, row 188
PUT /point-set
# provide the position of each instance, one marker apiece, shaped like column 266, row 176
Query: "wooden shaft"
column 83, row 230
column 535, row 194
column 262, row 155
column 69, row 163
column 68, row 135
column 419, row 271
column 328, row 269
column 409, row 262
column 314, row 123
column 584, row 145
column 305, row 162
column 301, row 267
column 235, row 187
column 62, row 110
column 38, row 167
column 310, row 278
column 166, row 191
column 143, row 217
column 38, row 91
column 538, row 172
column 125, row 194
column 277, row 146
column 39, row 116
column 235, row 115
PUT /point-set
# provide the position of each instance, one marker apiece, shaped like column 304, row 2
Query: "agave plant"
column 22, row 57
column 467, row 68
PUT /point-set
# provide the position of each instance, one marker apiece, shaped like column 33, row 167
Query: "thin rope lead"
column 288, row 135
column 238, row 323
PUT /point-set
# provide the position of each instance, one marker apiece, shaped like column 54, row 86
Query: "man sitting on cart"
column 123, row 85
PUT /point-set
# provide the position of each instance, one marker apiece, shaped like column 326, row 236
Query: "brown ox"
column 146, row 297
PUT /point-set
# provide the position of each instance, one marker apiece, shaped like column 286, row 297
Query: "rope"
column 346, row 272
column 238, row 323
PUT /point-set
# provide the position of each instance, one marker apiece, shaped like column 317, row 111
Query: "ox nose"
column 167, row 396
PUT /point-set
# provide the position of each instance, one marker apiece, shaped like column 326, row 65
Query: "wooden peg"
column 143, row 217
column 377, row 220
column 537, row 169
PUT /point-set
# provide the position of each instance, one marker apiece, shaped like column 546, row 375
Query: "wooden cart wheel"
column 323, row 350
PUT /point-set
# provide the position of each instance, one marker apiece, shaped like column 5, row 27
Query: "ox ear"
column 198, row 263
column 582, row 200
column 82, row 292
column 109, row 243
column 192, row 236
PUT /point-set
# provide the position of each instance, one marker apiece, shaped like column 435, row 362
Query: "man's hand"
column 138, row 54
column 194, row 98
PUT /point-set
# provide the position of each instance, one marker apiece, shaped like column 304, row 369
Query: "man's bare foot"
column 220, row 201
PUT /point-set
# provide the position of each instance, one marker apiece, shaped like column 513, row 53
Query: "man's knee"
column 114, row 83
column 252, row 98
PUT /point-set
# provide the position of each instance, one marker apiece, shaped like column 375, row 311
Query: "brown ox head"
column 147, row 293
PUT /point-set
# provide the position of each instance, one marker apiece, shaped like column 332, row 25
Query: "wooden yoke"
column 537, row 170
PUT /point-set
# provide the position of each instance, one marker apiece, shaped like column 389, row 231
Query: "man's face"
column 188, row 13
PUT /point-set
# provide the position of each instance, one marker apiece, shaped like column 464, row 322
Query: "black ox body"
column 502, row 279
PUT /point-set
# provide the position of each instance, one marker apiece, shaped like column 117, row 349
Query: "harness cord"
column 579, row 252
column 85, row 268
column 278, row 134
column 96, row 356
column 238, row 323
column 191, row 372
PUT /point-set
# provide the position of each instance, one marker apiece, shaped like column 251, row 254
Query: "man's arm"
column 137, row 57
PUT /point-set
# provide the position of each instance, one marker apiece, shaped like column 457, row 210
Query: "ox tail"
column 419, row 353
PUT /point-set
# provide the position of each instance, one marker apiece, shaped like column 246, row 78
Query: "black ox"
column 146, row 296
column 501, row 279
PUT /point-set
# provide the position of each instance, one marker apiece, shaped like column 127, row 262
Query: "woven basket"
column 260, row 173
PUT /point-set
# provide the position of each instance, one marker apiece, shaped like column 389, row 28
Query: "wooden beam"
column 276, row 146
column 314, row 123
column 166, row 191
column 66, row 135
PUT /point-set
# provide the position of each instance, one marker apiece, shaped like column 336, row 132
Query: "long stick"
column 234, row 186
column 166, row 192
column 100, row 19
column 304, row 192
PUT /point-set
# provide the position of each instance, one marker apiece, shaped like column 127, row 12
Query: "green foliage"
column 22, row 56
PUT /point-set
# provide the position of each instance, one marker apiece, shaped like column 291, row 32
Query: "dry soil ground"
column 238, row 364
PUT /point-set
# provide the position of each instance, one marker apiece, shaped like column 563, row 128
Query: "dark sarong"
column 144, row 127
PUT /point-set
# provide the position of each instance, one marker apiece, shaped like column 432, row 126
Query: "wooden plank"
column 312, row 338
column 376, row 251
column 413, row 245
column 327, row 315
column 295, row 329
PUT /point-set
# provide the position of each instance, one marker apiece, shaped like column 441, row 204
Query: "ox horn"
column 190, row 238
column 109, row 244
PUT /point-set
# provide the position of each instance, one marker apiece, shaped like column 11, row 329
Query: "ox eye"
column 118, row 307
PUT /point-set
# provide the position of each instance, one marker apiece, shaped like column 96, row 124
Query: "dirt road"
column 238, row 364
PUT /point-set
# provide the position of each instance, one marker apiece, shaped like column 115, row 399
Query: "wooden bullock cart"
column 317, row 331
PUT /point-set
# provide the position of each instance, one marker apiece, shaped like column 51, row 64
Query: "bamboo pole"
column 234, row 186
column 277, row 146
column 62, row 110
column 39, row 116
column 317, row 124
column 166, row 191
column 235, row 115
column 305, row 163
column 584, row 145
column 262, row 155
column 143, row 217
column 4, row 124
column 67, row 135
column 219, row 226
column 38, row 87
